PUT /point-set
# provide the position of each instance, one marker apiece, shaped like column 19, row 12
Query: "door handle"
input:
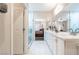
column 23, row 29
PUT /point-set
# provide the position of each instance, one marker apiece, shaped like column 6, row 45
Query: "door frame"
column 25, row 29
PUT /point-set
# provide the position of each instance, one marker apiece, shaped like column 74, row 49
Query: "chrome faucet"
column 71, row 30
column 77, row 30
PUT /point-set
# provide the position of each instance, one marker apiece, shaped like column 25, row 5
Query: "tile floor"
column 39, row 48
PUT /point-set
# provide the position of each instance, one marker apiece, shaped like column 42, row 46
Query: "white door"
column 18, row 29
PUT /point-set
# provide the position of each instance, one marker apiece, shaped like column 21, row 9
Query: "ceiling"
column 41, row 6
column 72, row 7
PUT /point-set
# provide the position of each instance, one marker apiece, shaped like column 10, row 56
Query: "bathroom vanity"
column 62, row 43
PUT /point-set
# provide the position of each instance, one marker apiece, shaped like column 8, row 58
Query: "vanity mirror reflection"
column 73, row 18
column 61, row 22
column 68, row 19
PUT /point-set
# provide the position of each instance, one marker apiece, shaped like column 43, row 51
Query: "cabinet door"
column 53, row 44
column 71, row 47
column 60, row 46
column 51, row 41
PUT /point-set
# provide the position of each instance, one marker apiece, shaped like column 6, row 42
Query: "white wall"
column 42, row 15
column 5, row 32
column 38, row 26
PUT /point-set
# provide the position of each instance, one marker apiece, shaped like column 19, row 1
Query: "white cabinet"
column 71, row 47
column 5, row 32
column 60, row 46
column 67, row 46
column 51, row 42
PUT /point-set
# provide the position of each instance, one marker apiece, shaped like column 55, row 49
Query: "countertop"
column 63, row 35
